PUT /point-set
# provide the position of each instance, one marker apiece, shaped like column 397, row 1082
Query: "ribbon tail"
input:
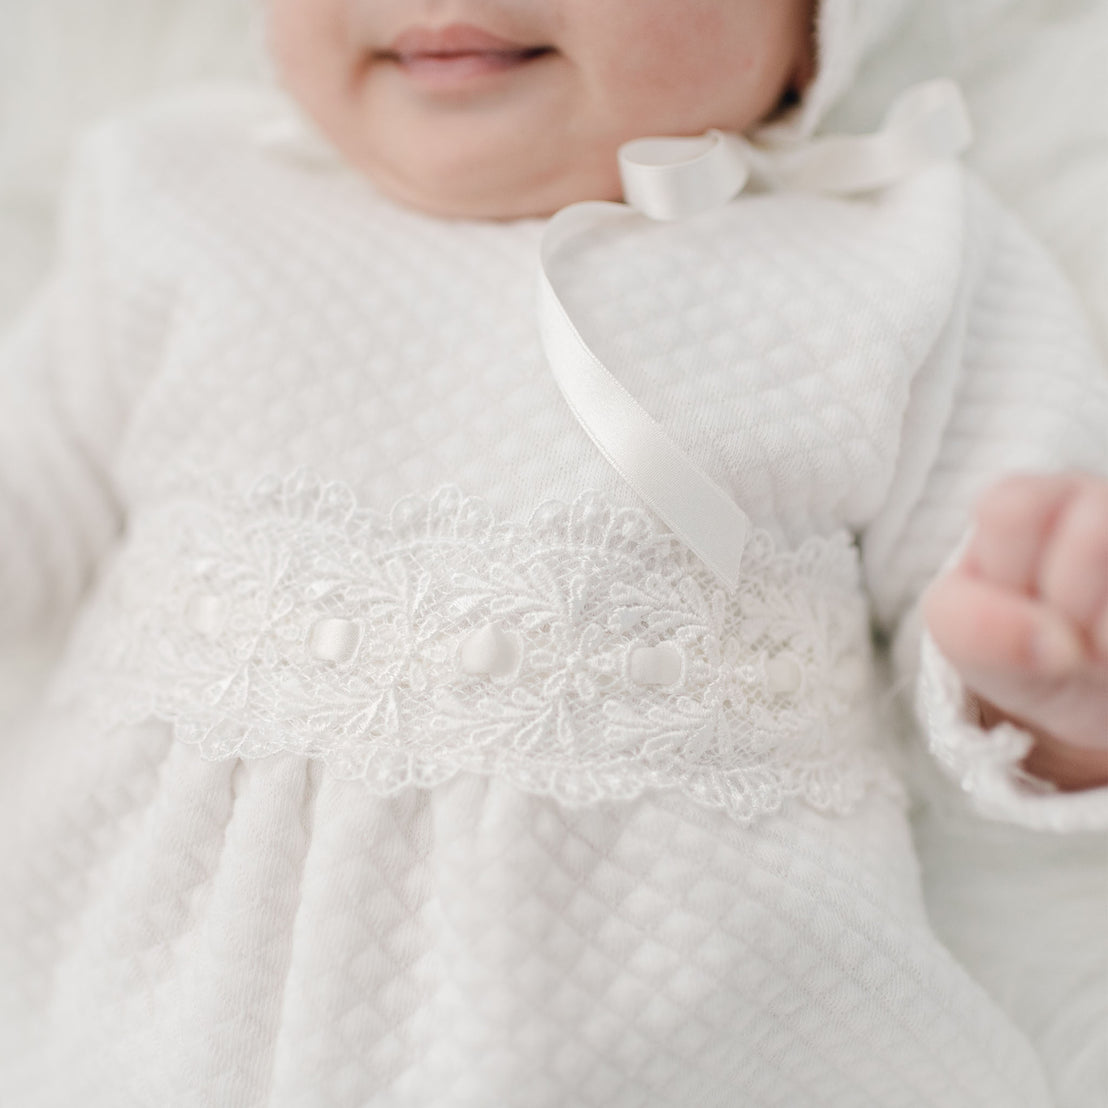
column 697, row 510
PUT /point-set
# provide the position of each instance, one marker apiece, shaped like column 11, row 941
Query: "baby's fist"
column 1024, row 619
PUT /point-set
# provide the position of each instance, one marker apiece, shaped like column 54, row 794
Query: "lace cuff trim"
column 582, row 654
column 987, row 764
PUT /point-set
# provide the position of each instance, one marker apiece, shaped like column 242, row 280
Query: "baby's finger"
column 1013, row 521
column 1073, row 572
column 979, row 626
column 1024, row 659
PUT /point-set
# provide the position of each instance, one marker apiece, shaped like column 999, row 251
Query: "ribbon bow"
column 675, row 178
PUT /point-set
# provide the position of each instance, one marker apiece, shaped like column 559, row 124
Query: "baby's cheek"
column 665, row 67
column 309, row 44
column 662, row 51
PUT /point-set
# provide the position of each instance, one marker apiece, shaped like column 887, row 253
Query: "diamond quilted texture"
column 259, row 934
column 400, row 357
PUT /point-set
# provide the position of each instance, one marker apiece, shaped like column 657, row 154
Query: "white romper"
column 399, row 757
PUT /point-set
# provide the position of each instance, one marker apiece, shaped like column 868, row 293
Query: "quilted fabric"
column 258, row 932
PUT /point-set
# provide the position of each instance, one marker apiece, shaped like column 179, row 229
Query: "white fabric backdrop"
column 63, row 63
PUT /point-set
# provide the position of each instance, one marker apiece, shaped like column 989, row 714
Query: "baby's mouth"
column 447, row 57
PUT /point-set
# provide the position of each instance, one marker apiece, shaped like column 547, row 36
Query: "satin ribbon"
column 926, row 124
column 675, row 178
column 684, row 496
column 671, row 178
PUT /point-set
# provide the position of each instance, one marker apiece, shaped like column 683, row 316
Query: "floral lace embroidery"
column 584, row 654
column 987, row 764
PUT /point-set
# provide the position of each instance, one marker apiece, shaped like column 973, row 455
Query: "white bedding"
column 64, row 63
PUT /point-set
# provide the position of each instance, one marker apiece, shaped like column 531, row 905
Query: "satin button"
column 656, row 665
column 489, row 652
column 334, row 640
column 783, row 675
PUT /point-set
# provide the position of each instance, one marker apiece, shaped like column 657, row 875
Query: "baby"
column 474, row 705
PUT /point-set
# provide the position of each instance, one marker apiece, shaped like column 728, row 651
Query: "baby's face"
column 505, row 108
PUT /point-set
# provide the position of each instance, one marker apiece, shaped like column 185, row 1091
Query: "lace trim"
column 986, row 764
column 582, row 654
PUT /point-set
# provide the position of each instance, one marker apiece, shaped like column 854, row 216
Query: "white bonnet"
column 846, row 32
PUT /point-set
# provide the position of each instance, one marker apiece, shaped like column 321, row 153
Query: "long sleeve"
column 60, row 419
column 1014, row 384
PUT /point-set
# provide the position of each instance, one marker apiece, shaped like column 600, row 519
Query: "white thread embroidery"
column 584, row 654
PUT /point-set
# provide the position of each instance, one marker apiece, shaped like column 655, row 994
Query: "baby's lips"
column 457, row 58
column 455, row 40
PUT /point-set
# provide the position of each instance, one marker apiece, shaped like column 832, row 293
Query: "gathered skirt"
column 175, row 931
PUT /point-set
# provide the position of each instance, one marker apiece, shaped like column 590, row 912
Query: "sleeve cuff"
column 987, row 764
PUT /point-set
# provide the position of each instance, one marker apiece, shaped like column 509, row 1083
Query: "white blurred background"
column 63, row 63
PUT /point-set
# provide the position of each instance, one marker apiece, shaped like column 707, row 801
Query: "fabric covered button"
column 656, row 665
column 489, row 652
column 334, row 640
column 206, row 614
column 783, row 675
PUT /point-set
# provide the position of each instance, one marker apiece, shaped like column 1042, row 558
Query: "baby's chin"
column 490, row 190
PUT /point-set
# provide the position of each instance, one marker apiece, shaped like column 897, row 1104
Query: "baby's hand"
column 1024, row 620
